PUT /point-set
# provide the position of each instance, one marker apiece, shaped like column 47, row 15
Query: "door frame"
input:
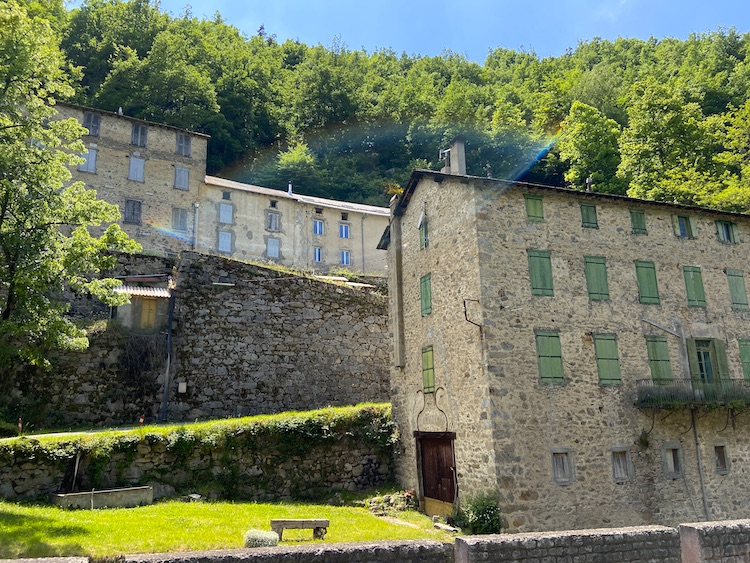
column 431, row 506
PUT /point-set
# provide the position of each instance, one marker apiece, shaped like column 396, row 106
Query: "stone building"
column 156, row 174
column 586, row 355
column 251, row 222
column 152, row 172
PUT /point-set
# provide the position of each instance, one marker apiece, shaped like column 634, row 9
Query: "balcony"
column 676, row 393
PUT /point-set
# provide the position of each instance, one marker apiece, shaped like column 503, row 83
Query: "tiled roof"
column 142, row 291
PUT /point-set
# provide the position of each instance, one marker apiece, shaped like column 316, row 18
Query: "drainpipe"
column 196, row 205
column 362, row 231
column 694, row 420
column 164, row 408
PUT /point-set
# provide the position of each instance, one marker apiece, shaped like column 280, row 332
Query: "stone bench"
column 319, row 526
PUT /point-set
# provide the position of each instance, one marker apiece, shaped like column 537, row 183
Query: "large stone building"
column 587, row 355
column 156, row 174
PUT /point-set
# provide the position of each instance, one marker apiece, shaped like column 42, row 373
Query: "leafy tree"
column 45, row 245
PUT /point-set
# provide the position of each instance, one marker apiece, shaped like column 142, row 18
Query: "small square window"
column 226, row 196
column 534, row 207
column 183, row 144
column 273, row 203
column 346, row 258
column 622, row 466
column 588, row 216
column 138, row 135
column 132, row 211
column 318, row 227
column 684, row 226
column 344, row 216
column 562, row 466
column 672, row 454
column 181, row 178
column 343, row 230
column 638, row 222
column 727, row 232
column 317, row 254
column 273, row 221
column 92, row 121
column 319, row 210
column 721, row 460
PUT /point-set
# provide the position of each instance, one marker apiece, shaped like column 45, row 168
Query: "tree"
column 45, row 244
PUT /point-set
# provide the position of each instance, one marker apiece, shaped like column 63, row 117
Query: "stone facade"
column 596, row 446
column 152, row 172
column 250, row 223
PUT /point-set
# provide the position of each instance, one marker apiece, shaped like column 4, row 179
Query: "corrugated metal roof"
column 139, row 291
column 310, row 200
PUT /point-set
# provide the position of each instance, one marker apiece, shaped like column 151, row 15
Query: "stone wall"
column 253, row 340
column 727, row 541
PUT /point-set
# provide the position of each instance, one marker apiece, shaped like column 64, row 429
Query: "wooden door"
column 148, row 312
column 437, row 472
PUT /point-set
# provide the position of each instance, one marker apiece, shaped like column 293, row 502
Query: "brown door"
column 437, row 468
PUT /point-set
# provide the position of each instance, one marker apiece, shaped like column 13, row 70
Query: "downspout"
column 362, row 231
column 163, row 410
column 700, row 463
column 196, row 205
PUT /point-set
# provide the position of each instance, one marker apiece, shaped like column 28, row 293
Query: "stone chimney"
column 455, row 158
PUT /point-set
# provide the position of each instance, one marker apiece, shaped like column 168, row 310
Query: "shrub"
column 261, row 538
column 480, row 514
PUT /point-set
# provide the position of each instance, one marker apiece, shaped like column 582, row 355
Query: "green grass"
column 43, row 531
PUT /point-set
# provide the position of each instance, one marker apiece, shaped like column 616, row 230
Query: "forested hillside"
column 664, row 119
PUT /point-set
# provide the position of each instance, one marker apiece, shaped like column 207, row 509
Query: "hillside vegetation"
column 664, row 119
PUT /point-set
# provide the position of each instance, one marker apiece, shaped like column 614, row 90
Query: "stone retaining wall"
column 727, row 541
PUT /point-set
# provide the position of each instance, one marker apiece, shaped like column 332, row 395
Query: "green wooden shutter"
column 648, row 290
column 692, row 351
column 428, row 370
column 658, row 358
column 425, row 294
column 721, row 359
column 534, row 207
column 693, row 228
column 737, row 290
column 735, row 233
column 696, row 297
column 549, row 356
column 745, row 357
column 540, row 270
column 596, row 277
column 638, row 221
column 588, row 216
column 607, row 359
column 676, row 225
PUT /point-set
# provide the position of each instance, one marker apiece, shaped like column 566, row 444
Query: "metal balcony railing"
column 674, row 393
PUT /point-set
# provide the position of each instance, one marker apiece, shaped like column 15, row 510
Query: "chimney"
column 289, row 191
column 455, row 158
column 589, row 184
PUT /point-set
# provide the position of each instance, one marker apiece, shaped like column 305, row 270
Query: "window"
column 226, row 196
column 707, row 359
column 534, row 207
column 622, row 465
column 638, row 222
column 596, row 278
column 428, row 370
column 423, row 235
column 181, row 178
column 588, row 216
column 344, row 216
column 273, row 204
column 225, row 242
column 562, row 466
column 179, row 219
column 737, row 290
column 226, row 213
column 319, row 210
column 138, row 135
column 540, row 271
column 607, row 359
column 696, row 297
column 658, row 358
column 727, row 232
column 684, row 226
column 549, row 356
column 272, row 247
column 721, row 460
column 745, row 357
column 273, row 221
column 183, row 144
column 318, row 227
column 648, row 290
column 343, row 230
column 425, row 294
column 672, row 455
column 346, row 258
column 132, row 211
column 92, row 121
column 135, row 169
column 317, row 254
column 89, row 165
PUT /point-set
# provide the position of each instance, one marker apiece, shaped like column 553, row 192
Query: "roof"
column 419, row 174
column 129, row 118
column 310, row 200
column 141, row 291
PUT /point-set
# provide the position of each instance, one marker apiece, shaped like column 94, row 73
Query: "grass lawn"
column 43, row 531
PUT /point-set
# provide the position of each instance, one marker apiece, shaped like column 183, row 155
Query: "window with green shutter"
column 648, row 290
column 425, row 294
column 428, row 370
column 658, row 358
column 588, row 216
column 596, row 277
column 707, row 360
column 540, row 271
column 607, row 359
column 549, row 356
column 534, row 207
column 745, row 357
column 638, row 221
column 737, row 289
column 696, row 297
column 684, row 226
column 727, row 232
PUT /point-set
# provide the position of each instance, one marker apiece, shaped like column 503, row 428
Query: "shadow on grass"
column 29, row 536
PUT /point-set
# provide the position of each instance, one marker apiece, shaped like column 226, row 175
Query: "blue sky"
column 471, row 27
